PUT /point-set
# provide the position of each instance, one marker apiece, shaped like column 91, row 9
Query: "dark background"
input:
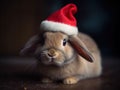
column 20, row 19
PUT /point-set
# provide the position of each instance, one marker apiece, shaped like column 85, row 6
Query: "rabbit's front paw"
column 70, row 80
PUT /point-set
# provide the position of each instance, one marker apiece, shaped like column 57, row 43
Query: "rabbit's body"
column 62, row 52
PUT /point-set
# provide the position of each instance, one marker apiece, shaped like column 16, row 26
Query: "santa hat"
column 62, row 20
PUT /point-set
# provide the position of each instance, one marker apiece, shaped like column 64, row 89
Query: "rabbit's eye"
column 64, row 42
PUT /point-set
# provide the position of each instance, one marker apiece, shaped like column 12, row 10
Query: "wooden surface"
column 19, row 74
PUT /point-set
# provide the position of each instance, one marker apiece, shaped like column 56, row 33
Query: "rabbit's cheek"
column 45, row 60
column 59, row 60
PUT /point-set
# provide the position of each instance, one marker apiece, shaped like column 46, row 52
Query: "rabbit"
column 64, row 57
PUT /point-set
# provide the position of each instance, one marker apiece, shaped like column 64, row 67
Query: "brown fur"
column 73, row 70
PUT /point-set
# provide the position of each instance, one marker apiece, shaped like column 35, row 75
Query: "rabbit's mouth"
column 52, row 61
column 48, row 60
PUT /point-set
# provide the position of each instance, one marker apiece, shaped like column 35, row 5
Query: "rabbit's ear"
column 30, row 46
column 81, row 49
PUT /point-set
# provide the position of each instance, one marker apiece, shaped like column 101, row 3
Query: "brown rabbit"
column 62, row 52
column 61, row 57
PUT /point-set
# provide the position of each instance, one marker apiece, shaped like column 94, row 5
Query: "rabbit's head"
column 56, row 48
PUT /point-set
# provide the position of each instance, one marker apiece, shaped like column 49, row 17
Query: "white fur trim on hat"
column 56, row 26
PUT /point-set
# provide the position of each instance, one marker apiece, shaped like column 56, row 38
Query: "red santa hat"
column 62, row 20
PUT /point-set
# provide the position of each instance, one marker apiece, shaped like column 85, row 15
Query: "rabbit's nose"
column 52, row 52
